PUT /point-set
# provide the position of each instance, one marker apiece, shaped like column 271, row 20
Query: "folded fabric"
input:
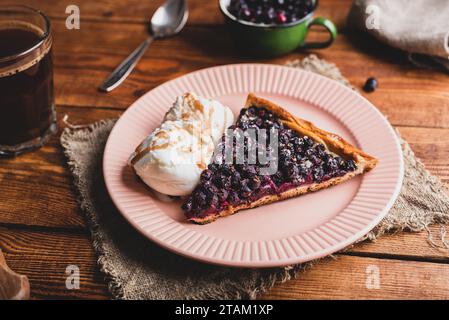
column 419, row 27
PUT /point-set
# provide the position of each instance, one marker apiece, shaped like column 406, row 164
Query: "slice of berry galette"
column 306, row 159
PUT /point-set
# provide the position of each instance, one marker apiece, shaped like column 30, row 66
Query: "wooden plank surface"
column 351, row 278
column 344, row 278
column 421, row 94
column 201, row 12
column 83, row 58
column 44, row 256
column 42, row 231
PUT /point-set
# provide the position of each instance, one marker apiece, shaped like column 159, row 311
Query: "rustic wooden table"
column 42, row 230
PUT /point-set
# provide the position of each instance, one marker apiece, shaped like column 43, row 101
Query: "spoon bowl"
column 169, row 19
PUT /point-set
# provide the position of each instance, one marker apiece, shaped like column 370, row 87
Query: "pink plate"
column 283, row 233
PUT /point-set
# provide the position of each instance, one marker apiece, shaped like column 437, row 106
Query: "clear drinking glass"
column 27, row 111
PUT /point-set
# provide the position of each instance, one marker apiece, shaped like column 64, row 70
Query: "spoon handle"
column 125, row 68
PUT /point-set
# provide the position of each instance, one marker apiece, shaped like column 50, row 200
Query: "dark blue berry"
column 370, row 85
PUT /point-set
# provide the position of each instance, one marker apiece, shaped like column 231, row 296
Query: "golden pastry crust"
column 331, row 141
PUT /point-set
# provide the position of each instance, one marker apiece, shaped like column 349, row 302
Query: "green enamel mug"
column 273, row 39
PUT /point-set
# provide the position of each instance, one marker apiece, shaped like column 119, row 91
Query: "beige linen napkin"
column 136, row 268
column 419, row 27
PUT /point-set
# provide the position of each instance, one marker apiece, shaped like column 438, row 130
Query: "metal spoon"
column 168, row 20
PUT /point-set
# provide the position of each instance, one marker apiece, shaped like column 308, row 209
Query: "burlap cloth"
column 135, row 268
column 419, row 27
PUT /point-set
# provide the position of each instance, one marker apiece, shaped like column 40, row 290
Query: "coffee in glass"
column 27, row 115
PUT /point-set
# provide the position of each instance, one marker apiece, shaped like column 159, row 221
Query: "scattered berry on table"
column 370, row 85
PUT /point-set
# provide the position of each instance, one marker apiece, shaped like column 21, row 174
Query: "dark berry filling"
column 300, row 161
column 271, row 11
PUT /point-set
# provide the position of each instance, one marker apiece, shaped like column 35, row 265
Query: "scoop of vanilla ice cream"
column 170, row 160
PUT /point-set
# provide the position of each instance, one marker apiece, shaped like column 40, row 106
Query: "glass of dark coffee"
column 27, row 112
